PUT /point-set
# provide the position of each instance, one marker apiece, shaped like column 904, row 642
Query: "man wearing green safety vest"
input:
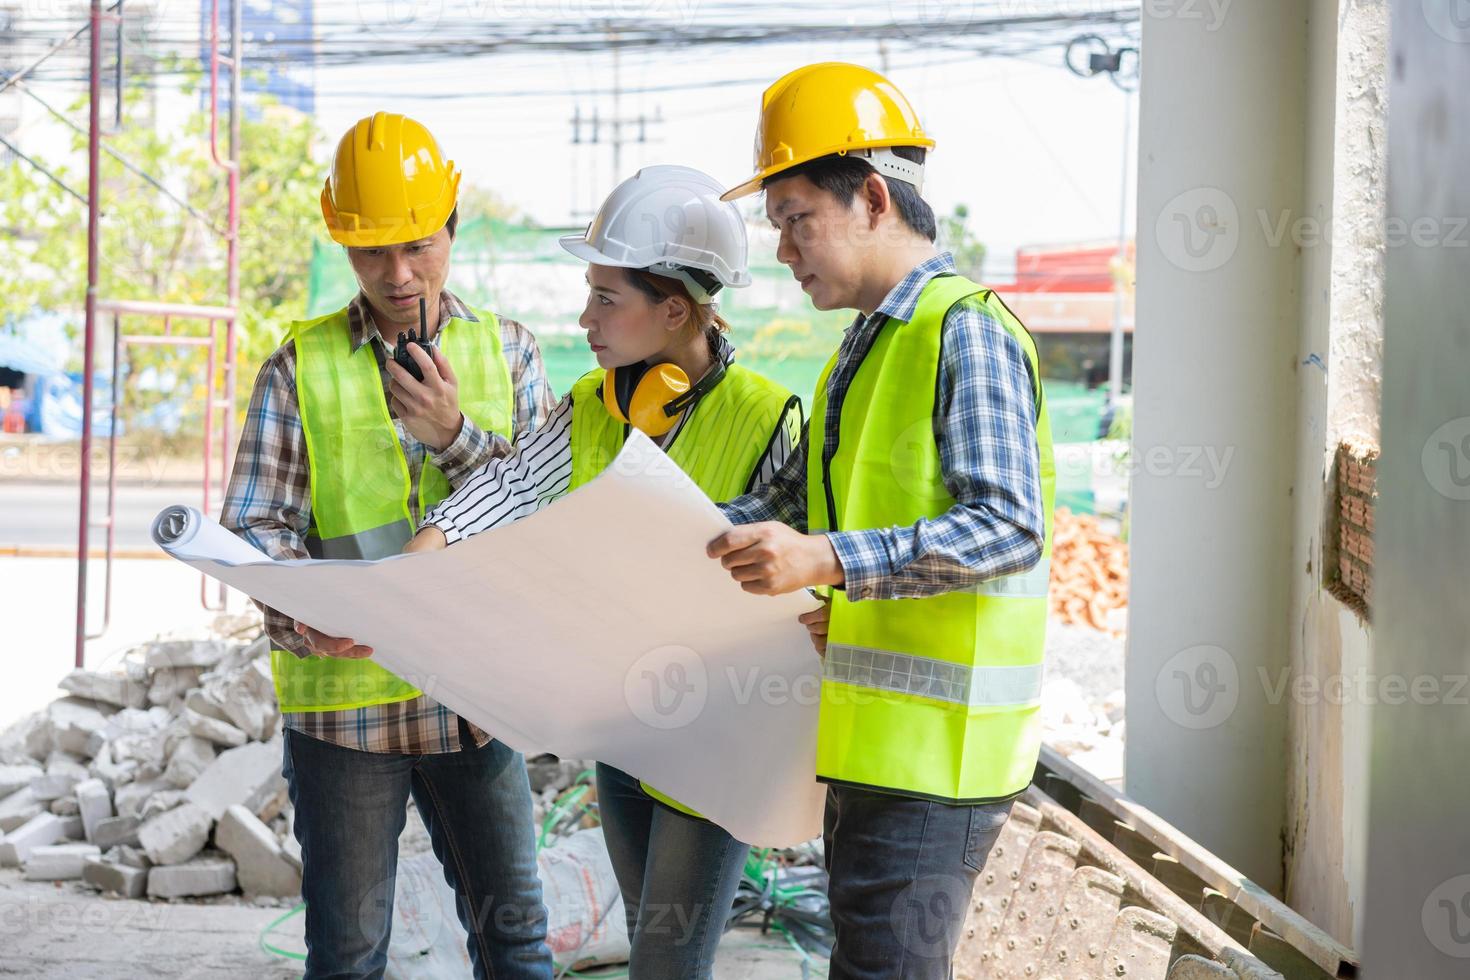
column 921, row 500
column 343, row 449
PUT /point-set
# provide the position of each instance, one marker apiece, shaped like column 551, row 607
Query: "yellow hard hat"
column 389, row 184
column 831, row 108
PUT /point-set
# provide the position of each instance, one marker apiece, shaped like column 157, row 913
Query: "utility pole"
column 616, row 127
column 1122, row 67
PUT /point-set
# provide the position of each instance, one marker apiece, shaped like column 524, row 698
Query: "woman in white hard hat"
column 658, row 251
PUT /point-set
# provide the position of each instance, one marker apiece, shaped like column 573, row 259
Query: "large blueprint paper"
column 594, row 629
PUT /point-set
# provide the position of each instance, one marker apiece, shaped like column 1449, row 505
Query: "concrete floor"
column 65, row 930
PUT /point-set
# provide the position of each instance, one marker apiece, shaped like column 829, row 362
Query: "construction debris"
column 1089, row 573
column 59, row 862
column 159, row 778
column 260, row 862
column 206, row 875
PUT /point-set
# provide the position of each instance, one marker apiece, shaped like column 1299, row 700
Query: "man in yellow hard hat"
column 351, row 435
column 921, row 498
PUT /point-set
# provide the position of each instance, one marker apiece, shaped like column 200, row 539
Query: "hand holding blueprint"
column 594, row 629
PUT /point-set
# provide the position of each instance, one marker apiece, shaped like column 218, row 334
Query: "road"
column 44, row 516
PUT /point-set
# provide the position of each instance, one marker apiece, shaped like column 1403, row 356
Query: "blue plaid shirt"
column 985, row 414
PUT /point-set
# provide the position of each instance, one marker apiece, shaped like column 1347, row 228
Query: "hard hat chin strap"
column 890, row 164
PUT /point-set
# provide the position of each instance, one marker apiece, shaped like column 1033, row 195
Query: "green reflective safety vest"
column 360, row 480
column 720, row 445
column 936, row 698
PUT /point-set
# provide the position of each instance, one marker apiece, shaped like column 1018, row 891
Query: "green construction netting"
column 521, row 272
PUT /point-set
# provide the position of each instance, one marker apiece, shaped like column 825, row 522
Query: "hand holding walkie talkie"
column 400, row 351
column 429, row 409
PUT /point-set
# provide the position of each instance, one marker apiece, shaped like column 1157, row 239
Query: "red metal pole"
column 93, row 215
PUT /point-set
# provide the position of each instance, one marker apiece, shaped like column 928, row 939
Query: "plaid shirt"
column 985, row 424
column 268, row 503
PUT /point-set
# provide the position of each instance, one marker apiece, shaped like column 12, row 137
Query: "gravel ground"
column 1090, row 658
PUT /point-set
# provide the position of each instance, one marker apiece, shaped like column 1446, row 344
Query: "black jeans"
column 902, row 871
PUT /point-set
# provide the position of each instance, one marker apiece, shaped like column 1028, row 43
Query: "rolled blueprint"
column 186, row 533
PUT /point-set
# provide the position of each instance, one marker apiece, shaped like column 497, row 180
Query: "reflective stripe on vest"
column 925, row 677
column 720, row 445
column 360, row 479
column 936, row 697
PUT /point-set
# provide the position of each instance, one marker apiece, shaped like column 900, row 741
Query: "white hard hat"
column 670, row 221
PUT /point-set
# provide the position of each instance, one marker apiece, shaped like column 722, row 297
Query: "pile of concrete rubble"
column 160, row 778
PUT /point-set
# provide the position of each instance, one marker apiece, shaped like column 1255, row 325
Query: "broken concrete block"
column 160, row 802
column 59, row 862
column 36, row 739
column 169, row 738
column 65, row 806
column 71, row 828
column 260, row 865
column 60, row 779
column 129, row 799
column 202, row 702
column 138, row 747
column 39, row 831
column 17, row 808
column 190, row 758
column 208, row 875
column 114, row 831
column 185, row 653
column 249, row 700
column 175, row 836
column 73, row 723
column 61, row 756
column 13, row 778
column 130, row 856
column 249, row 775
column 118, row 878
column 113, row 774
column 134, row 721
column 172, row 683
column 108, row 687
column 95, row 803
column 213, row 730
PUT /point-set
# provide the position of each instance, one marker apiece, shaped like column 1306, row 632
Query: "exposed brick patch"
column 1350, row 578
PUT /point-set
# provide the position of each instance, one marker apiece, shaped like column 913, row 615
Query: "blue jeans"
column 476, row 803
column 901, row 875
column 678, row 875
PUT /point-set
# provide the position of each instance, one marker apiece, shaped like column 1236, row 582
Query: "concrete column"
column 1223, row 131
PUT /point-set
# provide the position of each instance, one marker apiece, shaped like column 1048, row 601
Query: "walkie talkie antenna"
column 423, row 321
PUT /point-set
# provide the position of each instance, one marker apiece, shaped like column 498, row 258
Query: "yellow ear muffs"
column 642, row 396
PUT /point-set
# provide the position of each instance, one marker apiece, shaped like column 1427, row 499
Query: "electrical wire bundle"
column 791, row 901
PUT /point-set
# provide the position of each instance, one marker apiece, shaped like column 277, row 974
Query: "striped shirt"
column 985, row 412
column 268, row 503
column 508, row 488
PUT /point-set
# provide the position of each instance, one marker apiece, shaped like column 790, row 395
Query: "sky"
column 1034, row 151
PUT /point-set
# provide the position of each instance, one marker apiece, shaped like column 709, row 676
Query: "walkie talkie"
column 400, row 351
